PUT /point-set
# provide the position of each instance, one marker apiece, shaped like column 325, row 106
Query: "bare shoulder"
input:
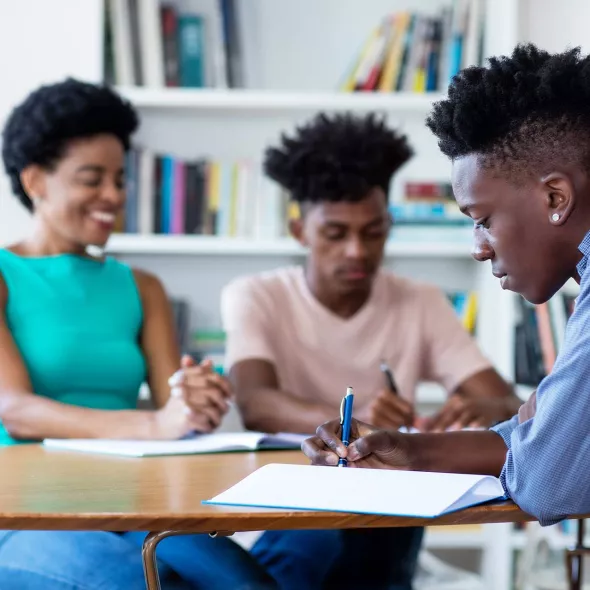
column 148, row 284
column 3, row 293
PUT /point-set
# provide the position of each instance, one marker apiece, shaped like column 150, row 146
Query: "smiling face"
column 346, row 241
column 514, row 227
column 78, row 199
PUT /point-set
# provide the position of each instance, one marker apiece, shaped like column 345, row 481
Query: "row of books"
column 168, row 195
column 427, row 203
column 157, row 45
column 210, row 343
column 539, row 337
column 413, row 52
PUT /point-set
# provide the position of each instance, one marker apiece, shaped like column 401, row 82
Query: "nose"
column 355, row 248
column 482, row 250
column 113, row 193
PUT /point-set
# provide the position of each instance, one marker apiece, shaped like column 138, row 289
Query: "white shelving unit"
column 443, row 243
column 273, row 101
column 293, row 70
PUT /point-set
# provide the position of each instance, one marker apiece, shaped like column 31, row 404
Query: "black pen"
column 389, row 377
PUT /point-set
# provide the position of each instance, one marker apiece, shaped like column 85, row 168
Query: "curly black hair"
column 524, row 112
column 39, row 129
column 337, row 158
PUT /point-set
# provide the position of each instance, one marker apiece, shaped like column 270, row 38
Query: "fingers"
column 329, row 434
column 206, row 397
column 200, row 377
column 366, row 445
column 451, row 413
column 316, row 450
column 391, row 411
column 212, row 415
column 187, row 361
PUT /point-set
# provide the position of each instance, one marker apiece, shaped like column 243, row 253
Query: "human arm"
column 268, row 408
column 251, row 321
column 453, row 452
column 479, row 396
column 26, row 415
column 204, row 392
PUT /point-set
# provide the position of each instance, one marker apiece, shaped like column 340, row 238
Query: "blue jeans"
column 371, row 559
column 375, row 559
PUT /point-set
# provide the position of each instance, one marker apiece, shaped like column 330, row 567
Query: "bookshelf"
column 295, row 52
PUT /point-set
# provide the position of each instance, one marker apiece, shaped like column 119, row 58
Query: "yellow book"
column 470, row 313
column 393, row 61
column 233, row 203
column 350, row 83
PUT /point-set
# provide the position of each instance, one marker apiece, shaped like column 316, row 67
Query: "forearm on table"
column 32, row 417
column 274, row 410
column 458, row 452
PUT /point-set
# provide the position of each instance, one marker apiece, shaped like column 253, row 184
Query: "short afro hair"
column 337, row 158
column 40, row 128
column 524, row 112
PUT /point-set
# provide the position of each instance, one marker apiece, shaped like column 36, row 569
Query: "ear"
column 560, row 197
column 296, row 230
column 32, row 179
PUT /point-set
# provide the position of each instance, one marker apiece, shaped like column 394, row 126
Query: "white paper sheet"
column 364, row 491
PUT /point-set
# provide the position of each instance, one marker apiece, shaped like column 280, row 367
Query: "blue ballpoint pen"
column 345, row 421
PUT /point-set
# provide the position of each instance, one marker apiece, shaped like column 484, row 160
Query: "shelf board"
column 212, row 245
column 267, row 100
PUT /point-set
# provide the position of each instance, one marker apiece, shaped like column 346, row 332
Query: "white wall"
column 555, row 25
column 61, row 39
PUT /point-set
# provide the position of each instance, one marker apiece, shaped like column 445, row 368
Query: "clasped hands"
column 199, row 399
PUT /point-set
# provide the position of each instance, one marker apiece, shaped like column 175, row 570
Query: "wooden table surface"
column 42, row 489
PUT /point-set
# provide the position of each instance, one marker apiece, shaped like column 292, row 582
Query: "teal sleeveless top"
column 76, row 322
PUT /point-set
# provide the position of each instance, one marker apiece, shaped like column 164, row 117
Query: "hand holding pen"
column 346, row 421
column 388, row 409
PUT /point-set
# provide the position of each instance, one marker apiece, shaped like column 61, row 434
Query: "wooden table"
column 43, row 489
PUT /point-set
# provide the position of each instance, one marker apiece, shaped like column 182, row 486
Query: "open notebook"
column 205, row 443
column 362, row 491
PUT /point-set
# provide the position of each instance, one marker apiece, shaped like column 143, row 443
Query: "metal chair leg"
column 574, row 559
column 148, row 554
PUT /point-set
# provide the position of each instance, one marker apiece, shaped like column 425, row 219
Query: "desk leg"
column 574, row 559
column 148, row 554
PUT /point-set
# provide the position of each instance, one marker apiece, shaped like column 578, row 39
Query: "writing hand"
column 387, row 410
column 369, row 447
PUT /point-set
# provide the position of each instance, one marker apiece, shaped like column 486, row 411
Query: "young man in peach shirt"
column 298, row 336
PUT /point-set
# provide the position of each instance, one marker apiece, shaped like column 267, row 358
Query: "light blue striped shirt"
column 547, row 468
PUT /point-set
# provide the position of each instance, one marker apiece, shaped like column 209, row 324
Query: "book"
column 361, row 491
column 200, row 444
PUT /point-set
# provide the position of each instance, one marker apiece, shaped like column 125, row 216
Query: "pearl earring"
column 555, row 217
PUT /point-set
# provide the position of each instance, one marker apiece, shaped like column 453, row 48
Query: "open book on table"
column 199, row 444
column 362, row 491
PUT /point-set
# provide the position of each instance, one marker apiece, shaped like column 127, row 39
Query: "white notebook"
column 362, row 491
column 205, row 443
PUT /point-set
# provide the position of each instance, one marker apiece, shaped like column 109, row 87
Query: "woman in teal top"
column 76, row 323
column 79, row 335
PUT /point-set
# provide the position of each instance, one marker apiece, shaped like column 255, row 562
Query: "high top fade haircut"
column 523, row 113
column 337, row 158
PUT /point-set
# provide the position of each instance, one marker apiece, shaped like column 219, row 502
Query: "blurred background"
column 215, row 81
